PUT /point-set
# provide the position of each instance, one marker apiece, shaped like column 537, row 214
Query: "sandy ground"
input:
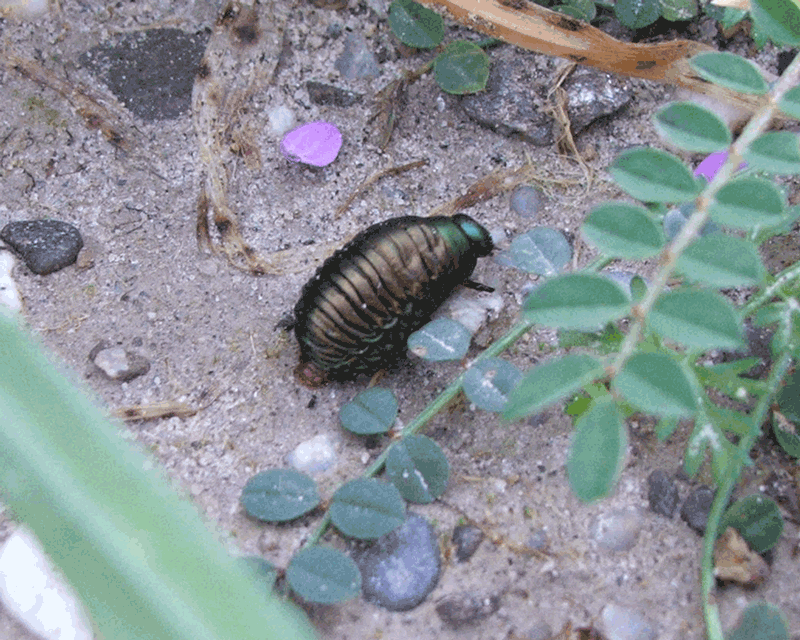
column 210, row 333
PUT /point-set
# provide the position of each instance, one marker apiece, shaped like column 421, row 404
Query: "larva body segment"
column 355, row 315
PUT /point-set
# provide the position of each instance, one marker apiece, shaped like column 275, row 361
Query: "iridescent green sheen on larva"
column 355, row 315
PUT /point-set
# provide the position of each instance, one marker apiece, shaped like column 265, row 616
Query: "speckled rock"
column 592, row 94
column 697, row 507
column 327, row 94
column 526, row 201
column 662, row 493
column 151, row 72
column 357, row 60
column 467, row 539
column 459, row 609
column 401, row 568
column 117, row 363
column 44, row 245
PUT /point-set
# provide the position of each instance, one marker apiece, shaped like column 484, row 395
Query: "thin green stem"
column 787, row 275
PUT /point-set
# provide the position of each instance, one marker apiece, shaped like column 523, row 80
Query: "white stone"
column 10, row 298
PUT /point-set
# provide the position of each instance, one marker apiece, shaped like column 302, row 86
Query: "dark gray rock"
column 117, row 363
column 401, row 568
column 526, row 201
column 592, row 95
column 459, row 609
column 513, row 100
column 327, row 94
column 662, row 493
column 150, row 72
column 697, row 507
column 357, row 60
column 45, row 245
column 467, row 539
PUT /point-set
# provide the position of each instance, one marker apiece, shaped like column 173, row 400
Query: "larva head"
column 479, row 238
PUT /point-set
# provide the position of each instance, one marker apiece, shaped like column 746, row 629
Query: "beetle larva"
column 355, row 315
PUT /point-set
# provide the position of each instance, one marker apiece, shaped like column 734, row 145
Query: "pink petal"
column 711, row 164
column 315, row 143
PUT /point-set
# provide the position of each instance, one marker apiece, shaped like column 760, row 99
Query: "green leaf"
column 415, row 25
column 489, row 382
column 762, row 621
column 580, row 9
column 729, row 70
column 689, row 126
column 775, row 152
column 636, row 14
column 790, row 103
column 140, row 558
column 788, row 397
column 440, row 340
column 726, row 377
column 417, row 466
column 697, row 319
column 597, row 451
column 786, row 434
column 729, row 420
column 370, row 412
column 576, row 301
column 666, row 427
column 550, row 382
column 657, row 384
column 758, row 519
column 779, row 20
column 623, row 230
column 722, row 261
column 542, row 251
column 748, row 202
column 366, row 508
column 604, row 342
column 279, row 495
column 463, row 67
column 678, row 10
column 323, row 575
column 652, row 175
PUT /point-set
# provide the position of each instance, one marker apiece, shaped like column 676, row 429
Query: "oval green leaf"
column 623, row 230
column 722, row 261
column 761, row 620
column 417, row 466
column 576, row 301
column 636, row 14
column 489, row 382
column 366, row 508
column 729, row 70
column 786, row 435
column 370, row 412
column 652, row 175
column 549, row 382
column 656, row 384
column 279, row 495
column 758, row 519
column 541, row 250
column 779, row 20
column 441, row 340
column 678, row 10
column 323, row 575
column 790, row 103
column 689, row 126
column 697, row 319
column 597, row 451
column 775, row 152
column 463, row 67
column 748, row 202
column 415, row 25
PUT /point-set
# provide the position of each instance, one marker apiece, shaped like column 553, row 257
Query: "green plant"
column 655, row 366
column 139, row 557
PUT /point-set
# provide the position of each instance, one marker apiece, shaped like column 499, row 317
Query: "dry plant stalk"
column 530, row 26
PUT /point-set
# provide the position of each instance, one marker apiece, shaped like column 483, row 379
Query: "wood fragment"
column 152, row 411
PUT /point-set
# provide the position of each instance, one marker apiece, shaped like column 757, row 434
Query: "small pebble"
column 697, row 507
column 32, row 590
column 526, row 201
column 674, row 220
column 467, row 539
column 327, row 94
column 623, row 623
column 44, row 245
column 616, row 530
column 281, row 119
column 313, row 456
column 117, row 363
column 662, row 493
column 539, row 631
column 357, row 61
column 463, row 608
column 315, row 143
column 400, row 569
column 10, row 299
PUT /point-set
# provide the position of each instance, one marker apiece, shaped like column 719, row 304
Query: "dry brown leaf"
column 735, row 561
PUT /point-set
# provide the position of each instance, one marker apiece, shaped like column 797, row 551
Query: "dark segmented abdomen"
column 355, row 315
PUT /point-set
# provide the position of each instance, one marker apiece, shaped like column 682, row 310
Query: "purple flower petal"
column 711, row 164
column 315, row 143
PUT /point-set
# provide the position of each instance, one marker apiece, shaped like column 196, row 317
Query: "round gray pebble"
column 118, row 364
column 44, row 245
column 697, row 507
column 357, row 61
column 526, row 201
column 662, row 493
column 622, row 623
column 462, row 608
column 467, row 539
column 401, row 568
column 616, row 530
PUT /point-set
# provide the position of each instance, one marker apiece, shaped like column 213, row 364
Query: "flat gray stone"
column 44, row 245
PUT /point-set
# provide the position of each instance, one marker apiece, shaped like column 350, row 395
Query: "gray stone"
column 526, row 201
column 662, row 493
column 401, row 568
column 117, row 363
column 616, row 530
column 327, row 94
column 357, row 61
column 45, row 245
column 592, row 95
column 697, row 507
column 467, row 539
column 623, row 623
column 459, row 609
column 150, row 72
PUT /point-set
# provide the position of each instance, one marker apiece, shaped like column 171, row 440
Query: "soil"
column 212, row 332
